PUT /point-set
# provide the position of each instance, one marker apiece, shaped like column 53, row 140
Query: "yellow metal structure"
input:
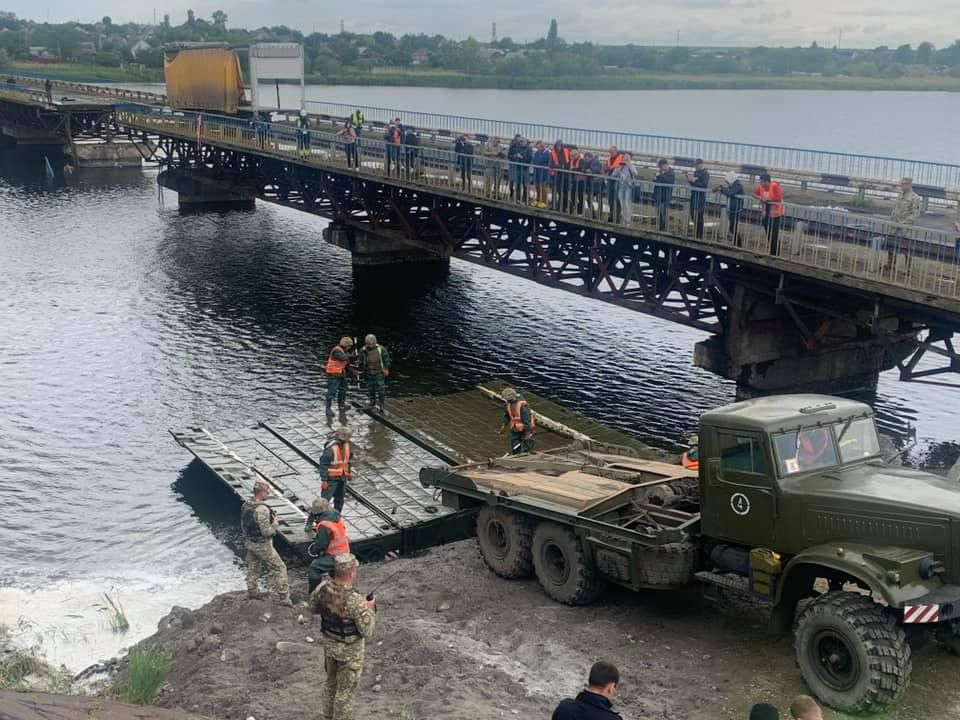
column 204, row 79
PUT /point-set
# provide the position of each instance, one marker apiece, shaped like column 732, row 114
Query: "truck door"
column 741, row 500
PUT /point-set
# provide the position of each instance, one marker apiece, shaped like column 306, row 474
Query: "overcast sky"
column 863, row 23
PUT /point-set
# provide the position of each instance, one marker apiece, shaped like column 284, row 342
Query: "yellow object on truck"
column 204, row 79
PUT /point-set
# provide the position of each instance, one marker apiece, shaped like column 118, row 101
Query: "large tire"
column 565, row 571
column 852, row 653
column 504, row 539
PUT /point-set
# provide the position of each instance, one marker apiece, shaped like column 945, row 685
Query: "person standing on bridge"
column 259, row 524
column 303, row 134
column 338, row 367
column 520, row 420
column 541, row 161
column 356, row 122
column 610, row 167
column 520, row 156
column 48, row 90
column 625, row 177
column 375, row 364
column 393, row 139
column 329, row 540
column 906, row 211
column 493, row 155
column 699, row 181
column 663, row 192
column 732, row 188
column 770, row 195
column 560, row 175
column 335, row 469
column 348, row 136
column 464, row 154
column 411, row 153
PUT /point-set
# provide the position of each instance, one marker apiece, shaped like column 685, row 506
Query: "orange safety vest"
column 334, row 366
column 689, row 464
column 771, row 208
column 556, row 159
column 514, row 411
column 340, row 467
column 339, row 542
column 614, row 162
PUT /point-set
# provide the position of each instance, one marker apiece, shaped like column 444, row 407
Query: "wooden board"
column 573, row 489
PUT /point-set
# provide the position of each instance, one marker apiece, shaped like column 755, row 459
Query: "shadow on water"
column 212, row 503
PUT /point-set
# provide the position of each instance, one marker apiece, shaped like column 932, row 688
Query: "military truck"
column 792, row 505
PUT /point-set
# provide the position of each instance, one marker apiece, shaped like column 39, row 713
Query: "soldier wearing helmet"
column 691, row 458
column 259, row 524
column 375, row 364
column 519, row 419
column 335, row 470
column 329, row 541
column 338, row 369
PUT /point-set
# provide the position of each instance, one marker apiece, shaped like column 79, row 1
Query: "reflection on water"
column 121, row 319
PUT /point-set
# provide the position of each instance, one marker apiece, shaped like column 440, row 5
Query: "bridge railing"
column 843, row 166
column 830, row 239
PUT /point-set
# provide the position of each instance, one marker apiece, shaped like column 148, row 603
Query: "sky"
column 854, row 23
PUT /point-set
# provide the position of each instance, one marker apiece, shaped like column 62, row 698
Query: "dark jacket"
column 464, row 150
column 520, row 153
column 663, row 190
column 698, row 189
column 411, row 141
column 587, row 706
column 734, row 194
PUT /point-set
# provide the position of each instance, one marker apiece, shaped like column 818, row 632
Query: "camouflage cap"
column 260, row 486
column 370, row 340
column 346, row 342
column 345, row 562
column 320, row 505
column 509, row 394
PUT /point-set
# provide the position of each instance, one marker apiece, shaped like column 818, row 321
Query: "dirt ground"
column 454, row 641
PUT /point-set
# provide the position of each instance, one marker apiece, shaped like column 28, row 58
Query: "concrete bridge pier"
column 371, row 249
column 774, row 345
column 196, row 194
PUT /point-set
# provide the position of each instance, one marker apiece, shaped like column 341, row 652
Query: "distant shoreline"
column 387, row 77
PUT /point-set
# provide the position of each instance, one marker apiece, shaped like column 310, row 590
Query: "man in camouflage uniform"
column 259, row 525
column 906, row 211
column 376, row 368
column 519, row 419
column 347, row 621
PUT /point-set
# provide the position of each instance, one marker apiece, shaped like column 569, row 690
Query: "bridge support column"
column 373, row 249
column 197, row 194
column 774, row 345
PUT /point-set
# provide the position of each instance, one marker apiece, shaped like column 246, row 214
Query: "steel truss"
column 65, row 123
column 684, row 285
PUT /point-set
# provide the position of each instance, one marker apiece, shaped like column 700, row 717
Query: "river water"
column 122, row 319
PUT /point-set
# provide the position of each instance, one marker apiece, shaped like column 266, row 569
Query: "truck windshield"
column 844, row 441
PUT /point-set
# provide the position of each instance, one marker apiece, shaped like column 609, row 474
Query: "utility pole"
column 341, row 27
column 493, row 35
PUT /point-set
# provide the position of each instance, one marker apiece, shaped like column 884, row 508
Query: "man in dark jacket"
column 411, row 144
column 463, row 149
column 733, row 189
column 699, row 181
column 594, row 703
column 663, row 192
column 520, row 156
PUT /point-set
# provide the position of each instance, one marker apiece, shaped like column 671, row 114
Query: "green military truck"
column 792, row 505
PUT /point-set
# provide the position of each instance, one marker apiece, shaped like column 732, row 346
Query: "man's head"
column 604, row 678
column 261, row 490
column 539, row 145
column 522, row 140
column 343, row 434
column 805, row 707
column 763, row 711
column 698, row 164
column 730, row 178
column 694, row 440
column 370, row 340
column 627, row 159
column 346, row 343
column 509, row 394
column 906, row 185
column 613, row 149
column 320, row 505
column 662, row 164
column 558, row 144
column 303, row 113
column 345, row 569
column 765, row 180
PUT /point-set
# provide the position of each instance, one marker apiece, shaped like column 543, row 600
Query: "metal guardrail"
column 843, row 243
column 842, row 165
column 35, row 85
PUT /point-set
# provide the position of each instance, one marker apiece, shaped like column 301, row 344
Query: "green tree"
column 191, row 18
column 925, row 53
column 106, row 21
column 904, row 55
column 552, row 33
column 4, row 58
column 220, row 19
column 166, row 22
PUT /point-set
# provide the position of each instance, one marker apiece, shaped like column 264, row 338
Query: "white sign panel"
column 275, row 61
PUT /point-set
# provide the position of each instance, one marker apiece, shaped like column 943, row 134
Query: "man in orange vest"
column 519, row 419
column 770, row 195
column 691, row 458
column 335, row 470
column 560, row 175
column 330, row 539
column 614, row 159
column 338, row 369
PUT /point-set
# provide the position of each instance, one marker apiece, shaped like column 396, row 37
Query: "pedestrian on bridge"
column 732, row 189
column 356, row 122
column 560, row 175
column 48, row 90
column 625, row 177
column 375, row 364
column 614, row 158
column 596, row 701
column 663, row 193
column 348, row 136
column 771, row 207
column 393, row 139
column 520, row 156
column 259, row 524
column 906, row 211
column 335, row 468
column 411, row 153
column 303, row 134
column 541, row 163
column 592, row 169
column 699, row 181
column 339, row 365
column 493, row 155
column 463, row 150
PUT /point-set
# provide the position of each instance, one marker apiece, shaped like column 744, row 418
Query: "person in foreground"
column 764, row 711
column 596, row 701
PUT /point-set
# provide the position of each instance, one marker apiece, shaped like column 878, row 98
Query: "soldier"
column 337, row 369
column 376, row 367
column 335, row 469
column 519, row 418
column 691, row 458
column 347, row 621
column 330, row 540
column 259, row 525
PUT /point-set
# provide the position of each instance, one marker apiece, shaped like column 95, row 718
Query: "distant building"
column 420, row 57
column 139, row 47
column 86, row 48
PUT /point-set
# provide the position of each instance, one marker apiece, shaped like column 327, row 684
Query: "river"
column 122, row 319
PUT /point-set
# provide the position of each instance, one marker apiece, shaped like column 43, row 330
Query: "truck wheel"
column 504, row 539
column 852, row 653
column 564, row 570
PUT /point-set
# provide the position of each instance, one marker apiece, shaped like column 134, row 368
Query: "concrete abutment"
column 370, row 249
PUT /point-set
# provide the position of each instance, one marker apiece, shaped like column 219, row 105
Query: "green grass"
column 145, row 674
column 16, row 665
column 115, row 614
